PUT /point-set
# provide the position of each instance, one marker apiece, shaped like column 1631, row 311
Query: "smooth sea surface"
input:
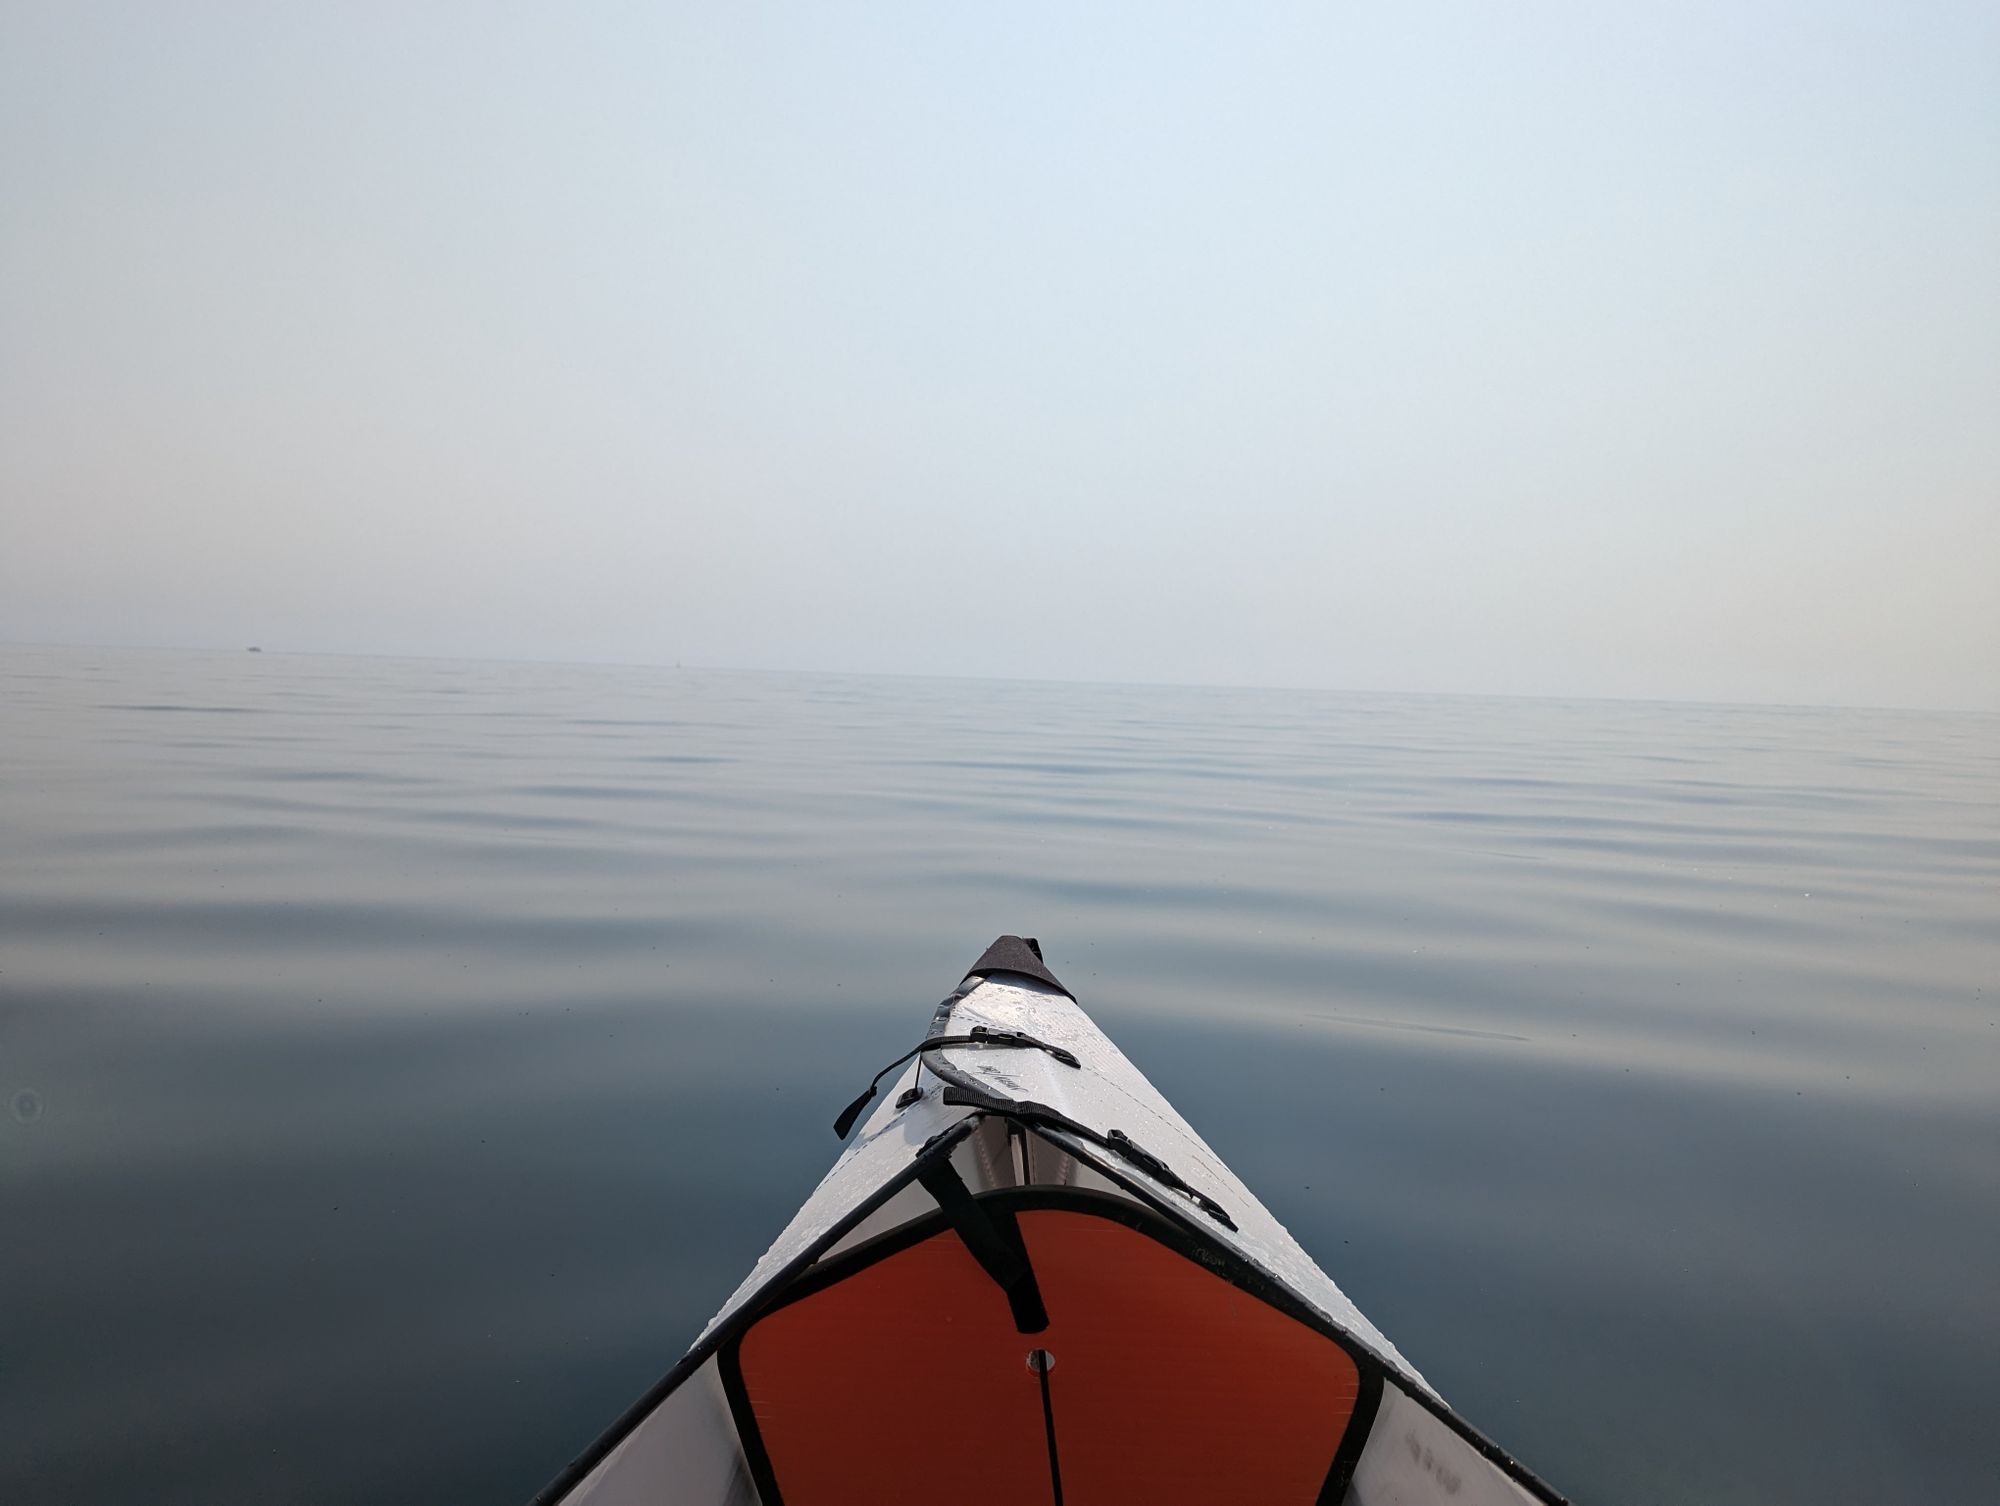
column 400, row 1060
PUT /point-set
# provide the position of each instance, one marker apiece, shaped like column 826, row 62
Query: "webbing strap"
column 993, row 1238
column 979, row 1036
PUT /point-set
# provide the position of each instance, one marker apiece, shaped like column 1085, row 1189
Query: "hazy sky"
column 1596, row 349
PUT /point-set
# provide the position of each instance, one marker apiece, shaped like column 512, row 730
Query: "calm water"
column 401, row 1060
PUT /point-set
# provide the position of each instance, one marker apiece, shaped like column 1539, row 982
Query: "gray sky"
column 1602, row 349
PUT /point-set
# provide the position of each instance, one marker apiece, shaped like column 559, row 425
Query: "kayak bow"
column 1027, row 1280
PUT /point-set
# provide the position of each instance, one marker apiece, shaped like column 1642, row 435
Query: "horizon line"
column 999, row 679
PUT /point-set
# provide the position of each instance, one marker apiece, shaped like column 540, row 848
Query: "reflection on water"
column 401, row 1060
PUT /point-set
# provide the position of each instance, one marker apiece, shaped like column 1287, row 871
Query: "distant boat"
column 255, row 650
column 1028, row 1281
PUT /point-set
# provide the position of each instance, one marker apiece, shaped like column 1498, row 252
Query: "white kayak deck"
column 1020, row 1118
